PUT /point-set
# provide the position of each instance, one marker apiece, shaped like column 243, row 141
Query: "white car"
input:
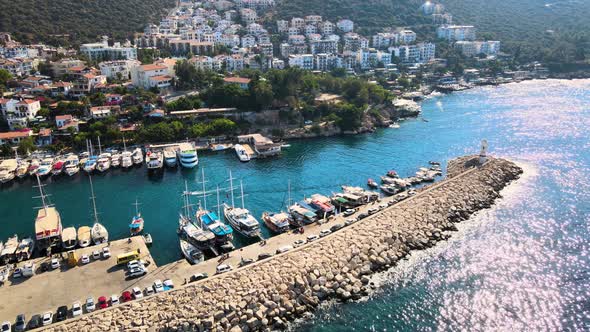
column 106, row 253
column 114, row 299
column 284, row 249
column 325, row 232
column 137, row 272
column 135, row 264
column 382, row 206
column 223, row 268
column 168, row 284
column 76, row 309
column 298, row 243
column 372, row 211
column 47, row 318
column 158, row 286
column 6, row 326
column 149, row 291
column 55, row 263
column 96, row 255
column 348, row 212
column 137, row 294
column 85, row 259
column 312, row 237
column 90, row 305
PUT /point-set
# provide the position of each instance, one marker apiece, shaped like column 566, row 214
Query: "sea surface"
column 522, row 265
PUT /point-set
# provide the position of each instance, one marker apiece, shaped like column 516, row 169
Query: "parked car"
column 21, row 323
column 135, row 264
column 348, row 212
column 149, row 291
column 223, row 268
column 361, row 216
column 61, row 314
column 137, row 294
column 76, row 309
column 312, row 237
column 284, row 249
column 245, row 261
column 382, row 206
column 90, row 306
column 85, row 259
column 126, row 296
column 6, row 327
column 114, row 300
column 96, row 255
column 325, row 232
column 336, row 227
column 18, row 273
column 35, row 322
column 102, row 302
column 137, row 272
column 349, row 221
column 298, row 243
column 55, row 263
column 47, row 318
column 372, row 211
column 198, row 276
column 168, row 284
column 264, row 255
column 158, row 286
column 106, row 253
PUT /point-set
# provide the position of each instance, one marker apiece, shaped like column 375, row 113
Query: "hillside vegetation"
column 83, row 20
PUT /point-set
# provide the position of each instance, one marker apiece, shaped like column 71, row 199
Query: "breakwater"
column 272, row 292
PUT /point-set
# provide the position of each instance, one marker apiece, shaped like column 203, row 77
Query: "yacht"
column 69, row 238
column 25, row 249
column 58, row 166
column 277, row 222
column 90, row 164
column 240, row 218
column 137, row 156
column 104, row 162
column 48, row 226
column 210, row 220
column 33, row 167
column 241, row 152
column 98, row 233
column 193, row 254
column 187, row 154
column 8, row 170
column 154, row 161
column 45, row 167
column 170, row 157
column 191, row 231
column 7, row 253
column 136, row 225
column 116, row 159
column 72, row 165
column 84, row 238
column 22, row 168
column 126, row 159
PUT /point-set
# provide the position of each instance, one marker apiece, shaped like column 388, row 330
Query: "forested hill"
column 83, row 20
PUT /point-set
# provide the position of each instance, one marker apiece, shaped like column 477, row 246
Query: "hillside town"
column 53, row 93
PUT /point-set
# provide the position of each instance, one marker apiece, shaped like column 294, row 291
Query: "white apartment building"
column 313, row 19
column 406, row 37
column 456, row 32
column 149, row 76
column 118, row 69
column 282, row 26
column 102, row 50
column 248, row 15
column 323, row 46
column 303, row 61
column 417, row 53
column 473, row 48
column 298, row 22
column 345, row 25
column 19, row 112
column 326, row 62
column 248, row 41
column 327, row 28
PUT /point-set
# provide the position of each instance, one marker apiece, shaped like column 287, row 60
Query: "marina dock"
column 45, row 291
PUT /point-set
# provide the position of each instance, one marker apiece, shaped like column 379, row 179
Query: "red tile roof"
column 153, row 67
column 239, row 80
column 15, row 134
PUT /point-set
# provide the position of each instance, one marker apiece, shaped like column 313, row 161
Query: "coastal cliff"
column 273, row 292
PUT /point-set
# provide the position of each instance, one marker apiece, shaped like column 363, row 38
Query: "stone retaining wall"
column 273, row 292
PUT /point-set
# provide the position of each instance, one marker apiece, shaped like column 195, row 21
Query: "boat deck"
column 46, row 291
column 249, row 150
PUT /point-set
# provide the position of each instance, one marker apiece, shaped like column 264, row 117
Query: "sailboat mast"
column 99, row 147
column 204, row 194
column 242, row 193
column 124, row 145
column 231, row 188
column 218, row 212
column 41, row 194
column 289, row 190
column 93, row 199
column 186, row 200
column 136, row 207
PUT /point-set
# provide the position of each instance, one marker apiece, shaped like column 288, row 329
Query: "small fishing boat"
column 277, row 222
column 392, row 174
column 193, row 254
column 7, row 170
column 241, row 152
column 84, row 237
column 69, row 238
column 136, row 225
column 147, row 238
column 104, row 162
column 137, row 156
column 25, row 249
column 170, row 157
column 7, row 253
column 72, row 165
column 371, row 183
column 389, row 189
column 394, row 125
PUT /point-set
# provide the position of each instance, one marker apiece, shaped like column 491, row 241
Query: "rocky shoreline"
column 269, row 294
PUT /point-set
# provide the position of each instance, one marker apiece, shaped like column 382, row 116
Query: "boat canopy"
column 48, row 223
column 209, row 218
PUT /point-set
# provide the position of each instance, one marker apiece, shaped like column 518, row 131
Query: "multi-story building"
column 297, row 40
column 345, row 25
column 60, row 67
column 206, row 63
column 323, row 46
column 182, row 47
column 278, row 63
column 234, row 62
column 327, row 28
column 417, row 53
column 248, row 41
column 383, row 40
column 292, row 31
column 282, row 26
column 255, row 29
column 326, row 62
column 18, row 67
column 310, row 29
column 98, row 51
column 456, row 32
column 119, row 69
column 303, row 61
column 313, row 20
column 150, row 76
column 19, row 112
column 473, row 48
column 87, row 83
column 248, row 15
column 406, row 37
column 298, row 22
column 352, row 42
column 266, row 49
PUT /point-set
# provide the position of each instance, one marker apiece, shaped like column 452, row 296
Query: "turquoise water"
column 522, row 265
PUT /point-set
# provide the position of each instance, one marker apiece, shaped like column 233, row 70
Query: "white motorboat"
column 22, row 168
column 193, row 254
column 69, row 238
column 154, row 160
column 7, row 170
column 25, row 249
column 84, row 237
column 187, row 154
column 115, row 159
column 72, row 165
column 126, row 159
column 7, row 253
column 147, row 238
column 137, row 156
column 241, row 152
column 45, row 167
column 170, row 157
column 104, row 162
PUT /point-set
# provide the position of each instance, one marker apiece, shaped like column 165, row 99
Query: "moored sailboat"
column 240, row 218
column 48, row 226
column 136, row 225
column 98, row 233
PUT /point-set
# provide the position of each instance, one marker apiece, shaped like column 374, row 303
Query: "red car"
column 126, row 296
column 102, row 302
